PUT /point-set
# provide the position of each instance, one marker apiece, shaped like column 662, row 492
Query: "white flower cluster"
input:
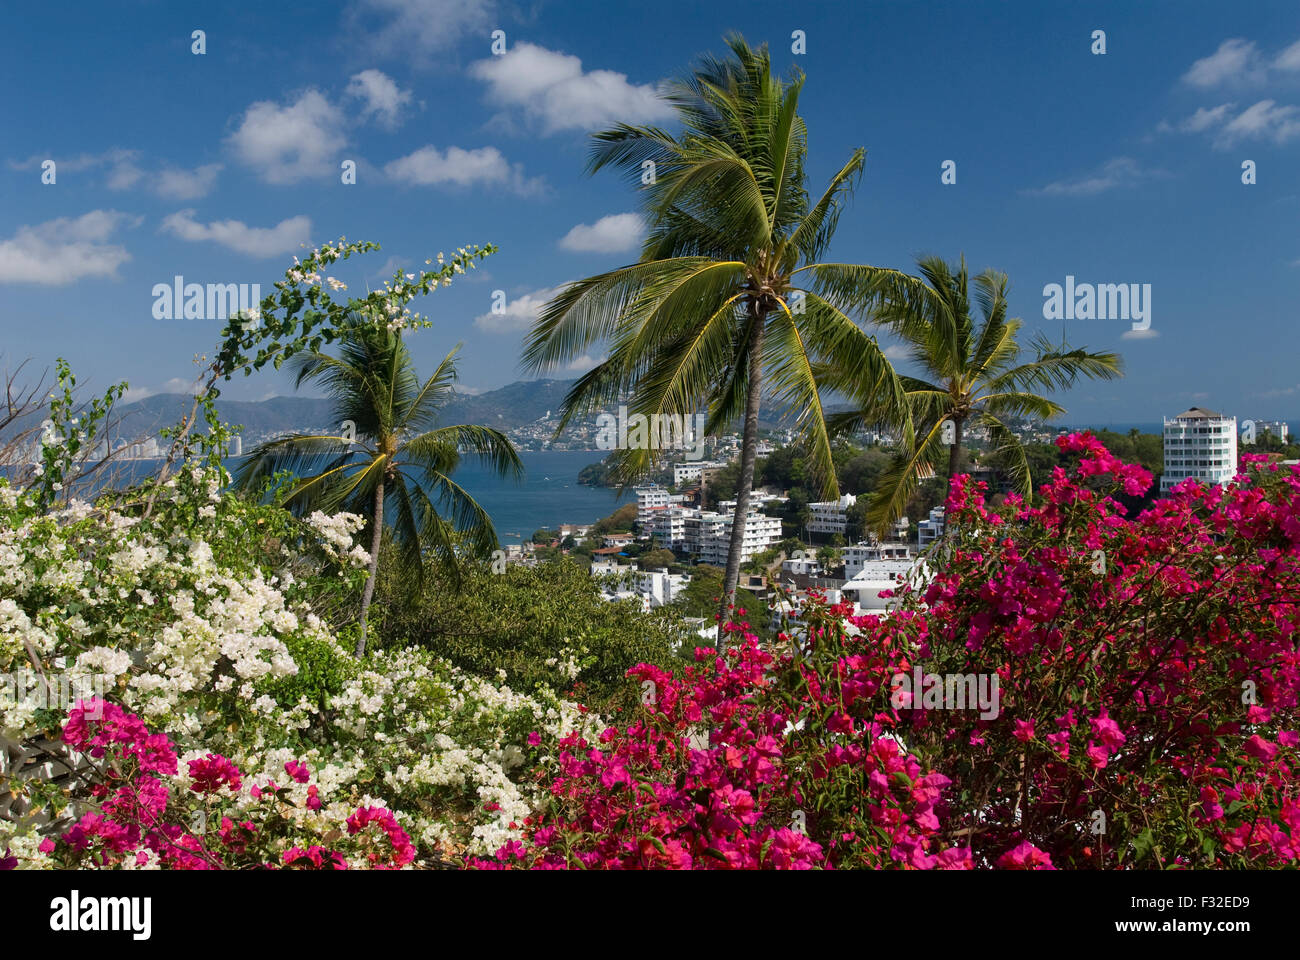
column 192, row 631
column 336, row 532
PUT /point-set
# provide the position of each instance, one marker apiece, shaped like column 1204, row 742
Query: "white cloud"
column 519, row 313
column 1265, row 120
column 293, row 142
column 896, row 351
column 176, row 183
column 1288, row 59
column 65, row 250
column 1118, row 172
column 1205, row 118
column 1150, row 333
column 1236, row 60
column 124, row 175
column 235, row 235
column 84, row 161
column 554, row 92
column 430, row 166
column 419, row 28
column 583, row 363
column 383, row 98
column 612, row 234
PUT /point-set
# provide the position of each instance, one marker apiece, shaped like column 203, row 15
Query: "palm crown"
column 973, row 374
column 728, row 298
column 398, row 464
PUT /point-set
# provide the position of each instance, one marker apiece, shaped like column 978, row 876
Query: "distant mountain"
column 514, row 405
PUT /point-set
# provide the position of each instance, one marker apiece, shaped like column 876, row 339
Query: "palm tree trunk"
column 954, row 452
column 377, row 521
column 748, row 455
column 954, row 462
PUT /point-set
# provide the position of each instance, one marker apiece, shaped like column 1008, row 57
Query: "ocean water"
column 548, row 495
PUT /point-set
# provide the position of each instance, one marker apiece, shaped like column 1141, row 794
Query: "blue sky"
column 1117, row 168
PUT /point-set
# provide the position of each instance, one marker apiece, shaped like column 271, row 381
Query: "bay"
column 548, row 494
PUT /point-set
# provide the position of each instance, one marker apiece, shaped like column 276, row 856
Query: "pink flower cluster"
column 137, row 816
column 783, row 735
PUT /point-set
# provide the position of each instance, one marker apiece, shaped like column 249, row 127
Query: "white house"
column 928, row 531
column 859, row 555
column 806, row 567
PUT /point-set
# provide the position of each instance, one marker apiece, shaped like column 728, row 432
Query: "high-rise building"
column 1199, row 444
column 1277, row 428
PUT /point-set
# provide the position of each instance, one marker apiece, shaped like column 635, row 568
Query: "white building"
column 761, row 532
column 928, row 531
column 1199, row 444
column 879, row 576
column 831, row 516
column 607, row 567
column 858, row 556
column 668, row 526
column 1278, row 428
column 692, row 471
column 806, row 567
column 661, row 586
column 650, row 500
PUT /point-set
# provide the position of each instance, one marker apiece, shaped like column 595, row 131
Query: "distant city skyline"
column 1159, row 175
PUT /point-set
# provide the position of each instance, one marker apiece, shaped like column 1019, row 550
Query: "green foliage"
column 68, row 435
column 653, row 559
column 620, row 521
column 517, row 620
column 700, row 598
column 323, row 669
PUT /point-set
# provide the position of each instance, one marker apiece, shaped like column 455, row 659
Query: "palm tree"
column 728, row 297
column 399, row 463
column 975, row 377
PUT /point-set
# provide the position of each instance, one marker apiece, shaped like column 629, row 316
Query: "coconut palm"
column 728, row 301
column 390, row 459
column 972, row 375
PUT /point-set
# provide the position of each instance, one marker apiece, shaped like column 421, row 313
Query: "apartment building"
column 650, row 500
column 831, row 516
column 1199, row 444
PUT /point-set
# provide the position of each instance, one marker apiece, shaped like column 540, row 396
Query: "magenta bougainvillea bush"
column 1147, row 667
column 1096, row 692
